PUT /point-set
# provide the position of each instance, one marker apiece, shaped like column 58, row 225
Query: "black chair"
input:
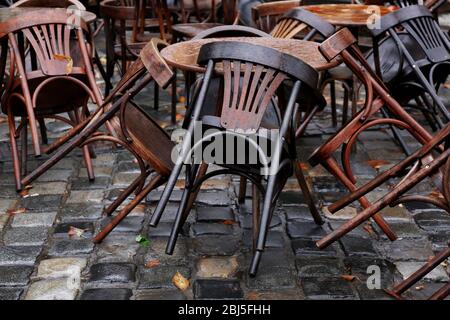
column 242, row 108
column 412, row 55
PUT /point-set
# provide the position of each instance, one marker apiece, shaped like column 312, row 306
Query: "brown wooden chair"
column 244, row 108
column 79, row 6
column 53, row 76
column 265, row 15
column 188, row 30
column 377, row 99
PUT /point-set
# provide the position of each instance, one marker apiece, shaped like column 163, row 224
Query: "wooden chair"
column 79, row 6
column 244, row 108
column 424, row 50
column 53, row 76
column 265, row 15
column 188, row 30
column 377, row 100
column 434, row 262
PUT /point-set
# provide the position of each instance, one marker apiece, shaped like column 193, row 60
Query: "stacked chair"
column 431, row 160
column 52, row 77
column 266, row 70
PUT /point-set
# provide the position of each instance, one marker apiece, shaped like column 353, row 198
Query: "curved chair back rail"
column 265, row 15
column 296, row 20
column 49, row 4
column 231, row 31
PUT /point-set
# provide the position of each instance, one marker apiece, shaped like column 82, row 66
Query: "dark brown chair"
column 243, row 108
column 434, row 262
column 188, row 30
column 265, row 15
column 79, row 6
column 424, row 59
column 377, row 100
column 53, row 76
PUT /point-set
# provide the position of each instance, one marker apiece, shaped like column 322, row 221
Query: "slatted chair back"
column 302, row 21
column 419, row 24
column 251, row 77
column 265, row 15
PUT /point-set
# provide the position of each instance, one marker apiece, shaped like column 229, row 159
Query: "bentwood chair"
column 377, row 99
column 188, row 30
column 75, row 4
column 265, row 15
column 52, row 77
column 423, row 53
column 244, row 114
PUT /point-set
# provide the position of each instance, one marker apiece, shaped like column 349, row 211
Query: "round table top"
column 8, row 14
column 350, row 15
column 183, row 55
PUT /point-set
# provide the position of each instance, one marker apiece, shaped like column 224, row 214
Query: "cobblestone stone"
column 25, row 236
column 64, row 247
column 218, row 289
column 18, row 255
column 217, row 267
column 60, row 267
column 10, row 293
column 41, row 219
column 161, row 276
column 12, row 276
column 106, row 294
column 113, row 272
column 54, row 289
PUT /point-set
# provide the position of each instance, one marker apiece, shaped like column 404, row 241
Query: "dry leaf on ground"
column 180, row 282
column 152, row 263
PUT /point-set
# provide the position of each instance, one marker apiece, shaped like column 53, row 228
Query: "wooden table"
column 183, row 55
column 347, row 15
column 8, row 15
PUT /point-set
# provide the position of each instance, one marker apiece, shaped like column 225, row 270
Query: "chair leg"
column 156, row 96
column 345, row 103
column 242, row 189
column 24, row 148
column 333, row 103
column 256, row 214
column 264, row 224
column 85, row 150
column 153, row 184
column 186, row 203
column 307, row 194
column 14, row 152
column 125, row 194
column 43, row 130
column 101, row 69
column 331, row 165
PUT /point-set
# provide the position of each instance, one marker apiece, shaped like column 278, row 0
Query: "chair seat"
column 190, row 30
column 341, row 72
column 150, row 141
column 59, row 96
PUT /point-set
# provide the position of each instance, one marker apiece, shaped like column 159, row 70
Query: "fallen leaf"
column 377, row 164
column 228, row 222
column 152, row 264
column 436, row 194
column 75, row 232
column 418, row 288
column 253, row 296
column 348, row 277
column 180, row 282
column 61, row 57
column 303, row 166
column 12, row 212
column 181, row 99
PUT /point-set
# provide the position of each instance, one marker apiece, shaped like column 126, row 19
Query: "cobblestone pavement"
column 39, row 260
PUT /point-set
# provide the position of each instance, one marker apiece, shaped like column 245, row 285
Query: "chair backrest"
column 118, row 16
column 301, row 20
column 265, row 15
column 252, row 75
column 231, row 31
column 49, row 4
column 133, row 124
column 59, row 47
column 419, row 23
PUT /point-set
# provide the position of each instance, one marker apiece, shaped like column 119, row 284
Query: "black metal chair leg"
column 43, row 130
column 242, row 189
